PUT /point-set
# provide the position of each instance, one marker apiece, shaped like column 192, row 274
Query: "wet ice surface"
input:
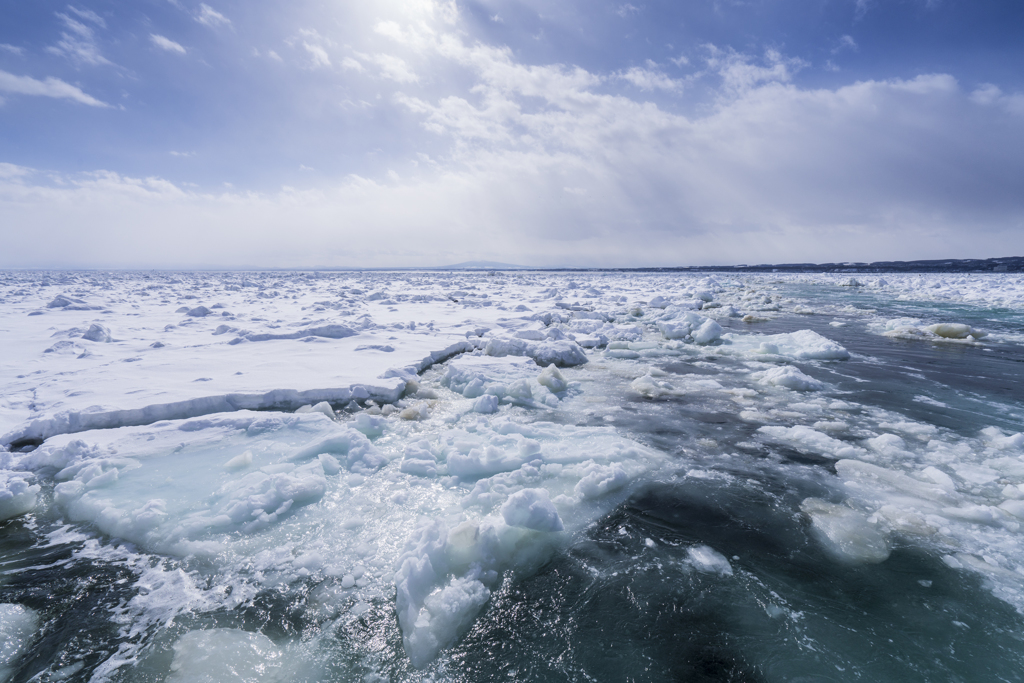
column 804, row 478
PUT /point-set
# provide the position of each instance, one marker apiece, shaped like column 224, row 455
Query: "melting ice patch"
column 18, row 626
column 271, row 498
column 220, row 655
column 187, row 488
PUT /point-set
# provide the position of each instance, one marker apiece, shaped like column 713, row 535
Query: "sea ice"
column 18, row 627
column 789, row 377
column 847, row 534
column 223, row 655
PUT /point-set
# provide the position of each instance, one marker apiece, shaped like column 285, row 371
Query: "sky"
column 402, row 133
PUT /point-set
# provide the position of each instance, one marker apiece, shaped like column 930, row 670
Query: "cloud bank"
column 554, row 164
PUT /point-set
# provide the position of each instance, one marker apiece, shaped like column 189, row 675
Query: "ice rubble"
column 963, row 498
column 17, row 495
column 525, row 484
column 690, row 326
column 158, row 358
column 247, row 488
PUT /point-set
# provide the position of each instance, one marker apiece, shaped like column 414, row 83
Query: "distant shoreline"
column 1007, row 264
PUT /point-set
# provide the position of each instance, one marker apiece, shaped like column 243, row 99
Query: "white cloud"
column 13, row 171
column 845, row 43
column 51, row 87
column 317, row 54
column 352, row 65
column 395, row 68
column 12, row 49
column 650, row 79
column 182, row 154
column 315, row 46
column 627, row 9
column 166, row 44
column 78, row 43
column 988, row 94
column 211, row 17
column 741, row 72
column 537, row 163
column 773, row 173
column 88, row 15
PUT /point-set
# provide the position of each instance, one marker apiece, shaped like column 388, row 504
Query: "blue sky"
column 172, row 133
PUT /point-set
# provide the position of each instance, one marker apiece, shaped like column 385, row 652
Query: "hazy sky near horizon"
column 174, row 133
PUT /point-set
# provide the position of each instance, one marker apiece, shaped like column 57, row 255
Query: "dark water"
column 618, row 608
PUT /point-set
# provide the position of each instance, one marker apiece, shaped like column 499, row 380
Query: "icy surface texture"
column 336, row 449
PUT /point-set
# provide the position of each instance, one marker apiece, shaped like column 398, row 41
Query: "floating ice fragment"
column 18, row 624
column 889, row 445
column 601, row 480
column 486, row 404
column 17, row 496
column 223, row 655
column 560, row 352
column 420, row 411
column 1014, row 507
column 997, row 439
column 861, row 474
column 939, row 477
column 709, row 560
column 323, row 407
column 329, row 463
column 975, row 474
column 708, row 332
column 531, row 509
column 789, row 377
column 954, row 331
column 419, row 460
column 553, row 379
column 808, row 440
column 847, row 534
column 799, row 345
column 658, row 302
column 357, row 450
column 685, row 324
